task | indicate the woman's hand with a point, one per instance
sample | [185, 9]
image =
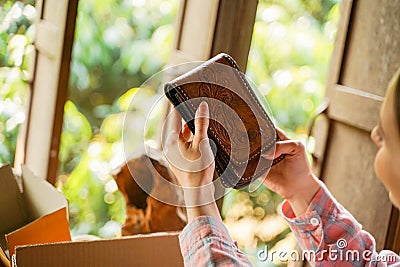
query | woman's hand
[192, 161]
[292, 178]
[190, 156]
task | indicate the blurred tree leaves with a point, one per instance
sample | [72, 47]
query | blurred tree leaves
[16, 51]
[75, 137]
[118, 45]
[87, 162]
[289, 57]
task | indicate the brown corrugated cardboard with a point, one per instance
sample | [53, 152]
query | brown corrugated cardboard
[37, 219]
[34, 214]
[150, 250]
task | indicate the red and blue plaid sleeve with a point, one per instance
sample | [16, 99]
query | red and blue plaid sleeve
[206, 242]
[330, 236]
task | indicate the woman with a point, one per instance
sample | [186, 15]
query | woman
[321, 225]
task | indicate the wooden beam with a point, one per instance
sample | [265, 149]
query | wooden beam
[234, 29]
[62, 89]
[42, 129]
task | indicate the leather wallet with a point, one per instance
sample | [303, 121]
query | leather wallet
[239, 124]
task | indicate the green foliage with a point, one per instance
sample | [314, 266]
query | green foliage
[96, 206]
[94, 199]
[289, 57]
[118, 45]
[16, 50]
[75, 137]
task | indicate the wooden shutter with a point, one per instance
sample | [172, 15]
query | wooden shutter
[366, 55]
[39, 144]
[205, 28]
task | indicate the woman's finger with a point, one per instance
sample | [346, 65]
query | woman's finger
[175, 127]
[281, 134]
[201, 122]
[288, 147]
[186, 133]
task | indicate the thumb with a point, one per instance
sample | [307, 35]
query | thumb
[201, 122]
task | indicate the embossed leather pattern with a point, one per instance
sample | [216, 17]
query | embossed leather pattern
[239, 124]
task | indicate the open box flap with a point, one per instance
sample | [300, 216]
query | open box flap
[50, 228]
[12, 209]
[41, 198]
[37, 215]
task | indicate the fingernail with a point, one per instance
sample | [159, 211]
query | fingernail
[203, 104]
[202, 110]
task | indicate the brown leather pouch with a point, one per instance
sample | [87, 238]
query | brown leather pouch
[239, 127]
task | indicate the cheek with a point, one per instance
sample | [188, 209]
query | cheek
[395, 199]
[382, 167]
[386, 172]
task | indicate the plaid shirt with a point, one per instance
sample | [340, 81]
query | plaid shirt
[328, 234]
[206, 242]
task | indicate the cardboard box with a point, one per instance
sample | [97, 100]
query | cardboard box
[35, 221]
[32, 211]
[149, 250]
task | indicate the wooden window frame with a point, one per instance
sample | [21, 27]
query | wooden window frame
[39, 137]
